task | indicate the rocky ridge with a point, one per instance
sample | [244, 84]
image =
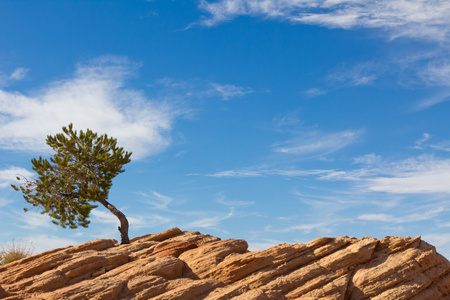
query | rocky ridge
[176, 264]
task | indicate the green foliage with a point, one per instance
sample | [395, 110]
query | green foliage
[79, 174]
[15, 251]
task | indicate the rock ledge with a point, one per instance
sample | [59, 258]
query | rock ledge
[182, 265]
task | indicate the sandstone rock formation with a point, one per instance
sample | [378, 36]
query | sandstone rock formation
[189, 265]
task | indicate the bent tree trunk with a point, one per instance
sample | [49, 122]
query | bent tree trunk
[123, 228]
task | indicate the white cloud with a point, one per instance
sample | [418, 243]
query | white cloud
[228, 91]
[368, 159]
[421, 216]
[4, 202]
[135, 221]
[290, 120]
[415, 177]
[204, 89]
[432, 100]
[95, 98]
[420, 142]
[437, 239]
[104, 217]
[44, 242]
[323, 228]
[411, 18]
[222, 200]
[157, 200]
[314, 92]
[210, 222]
[414, 217]
[147, 221]
[375, 217]
[19, 74]
[34, 220]
[437, 72]
[446, 224]
[317, 143]
[267, 172]
[362, 74]
[8, 176]
[443, 146]
[237, 173]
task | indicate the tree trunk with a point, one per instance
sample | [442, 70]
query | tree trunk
[123, 228]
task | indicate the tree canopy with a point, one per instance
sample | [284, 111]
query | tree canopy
[76, 177]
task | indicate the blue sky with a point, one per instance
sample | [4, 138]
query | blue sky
[273, 121]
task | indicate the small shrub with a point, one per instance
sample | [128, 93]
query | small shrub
[15, 251]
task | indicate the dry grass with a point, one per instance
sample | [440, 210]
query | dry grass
[15, 251]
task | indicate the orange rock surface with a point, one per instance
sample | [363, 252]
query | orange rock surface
[188, 265]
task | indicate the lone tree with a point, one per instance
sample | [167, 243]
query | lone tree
[77, 176]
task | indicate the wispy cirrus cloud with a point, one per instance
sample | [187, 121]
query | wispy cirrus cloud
[433, 179]
[359, 75]
[417, 20]
[437, 72]
[315, 92]
[420, 142]
[19, 73]
[227, 91]
[306, 228]
[261, 172]
[222, 200]
[438, 240]
[425, 143]
[430, 69]
[155, 199]
[16, 75]
[367, 73]
[437, 98]
[416, 175]
[413, 18]
[4, 202]
[305, 144]
[323, 227]
[376, 217]
[210, 221]
[318, 143]
[414, 217]
[204, 88]
[442, 145]
[368, 159]
[417, 68]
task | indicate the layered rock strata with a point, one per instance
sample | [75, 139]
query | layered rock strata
[189, 265]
